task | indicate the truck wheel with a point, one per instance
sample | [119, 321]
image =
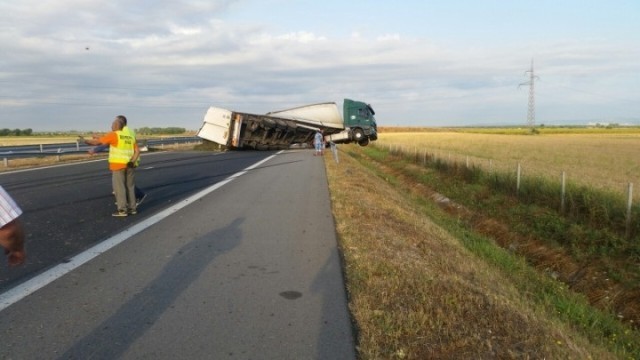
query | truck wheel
[358, 135]
[364, 142]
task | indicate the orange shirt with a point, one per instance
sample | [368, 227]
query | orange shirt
[112, 140]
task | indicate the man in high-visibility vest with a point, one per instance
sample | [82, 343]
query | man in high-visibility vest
[123, 154]
[140, 194]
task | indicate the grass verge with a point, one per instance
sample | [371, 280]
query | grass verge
[423, 283]
[582, 247]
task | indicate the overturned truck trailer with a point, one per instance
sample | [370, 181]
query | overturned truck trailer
[237, 130]
[281, 129]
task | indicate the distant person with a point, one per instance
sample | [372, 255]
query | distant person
[318, 142]
[11, 231]
[123, 154]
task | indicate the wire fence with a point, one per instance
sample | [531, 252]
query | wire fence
[559, 185]
[555, 173]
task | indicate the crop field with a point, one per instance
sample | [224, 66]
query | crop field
[35, 140]
[601, 160]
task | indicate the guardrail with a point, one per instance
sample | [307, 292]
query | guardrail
[76, 148]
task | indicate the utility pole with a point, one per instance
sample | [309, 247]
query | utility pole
[531, 114]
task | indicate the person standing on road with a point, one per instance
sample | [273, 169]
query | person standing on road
[123, 154]
[318, 142]
[11, 231]
[139, 193]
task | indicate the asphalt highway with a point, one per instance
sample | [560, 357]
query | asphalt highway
[231, 256]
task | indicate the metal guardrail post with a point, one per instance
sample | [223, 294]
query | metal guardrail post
[76, 147]
[334, 151]
[629, 205]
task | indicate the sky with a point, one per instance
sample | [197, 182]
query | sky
[76, 64]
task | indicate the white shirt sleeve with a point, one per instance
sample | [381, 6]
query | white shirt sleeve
[9, 210]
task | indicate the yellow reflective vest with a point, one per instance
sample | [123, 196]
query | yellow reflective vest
[123, 152]
[133, 135]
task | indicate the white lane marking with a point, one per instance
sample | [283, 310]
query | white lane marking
[21, 291]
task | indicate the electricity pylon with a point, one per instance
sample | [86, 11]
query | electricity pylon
[531, 114]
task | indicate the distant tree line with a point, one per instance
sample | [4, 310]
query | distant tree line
[160, 131]
[141, 131]
[16, 132]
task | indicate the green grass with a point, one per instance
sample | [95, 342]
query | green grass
[596, 210]
[476, 191]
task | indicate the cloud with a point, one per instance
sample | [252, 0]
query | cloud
[78, 63]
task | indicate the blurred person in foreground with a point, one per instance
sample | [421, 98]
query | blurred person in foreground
[11, 231]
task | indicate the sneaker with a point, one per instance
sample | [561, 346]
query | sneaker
[133, 212]
[120, 213]
[140, 200]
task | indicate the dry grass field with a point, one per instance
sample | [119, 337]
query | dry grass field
[35, 140]
[430, 278]
[602, 160]
[416, 292]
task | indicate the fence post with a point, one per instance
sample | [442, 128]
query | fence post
[41, 148]
[563, 193]
[334, 150]
[6, 162]
[629, 203]
[518, 179]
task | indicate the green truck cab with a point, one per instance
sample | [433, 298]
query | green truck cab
[360, 122]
